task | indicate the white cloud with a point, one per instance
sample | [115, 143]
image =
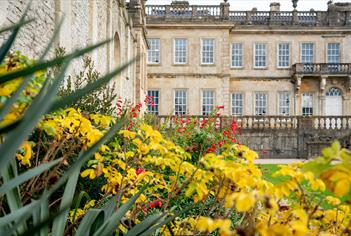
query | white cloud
[262, 5]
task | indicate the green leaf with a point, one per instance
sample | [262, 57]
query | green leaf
[76, 95]
[34, 113]
[9, 103]
[7, 128]
[162, 223]
[4, 49]
[15, 26]
[144, 225]
[112, 224]
[13, 195]
[83, 157]
[91, 222]
[59, 224]
[79, 201]
[27, 175]
[44, 214]
[44, 65]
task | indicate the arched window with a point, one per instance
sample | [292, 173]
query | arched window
[117, 50]
[334, 92]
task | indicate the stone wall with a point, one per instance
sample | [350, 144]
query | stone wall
[85, 22]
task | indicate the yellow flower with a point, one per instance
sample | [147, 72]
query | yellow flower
[25, 159]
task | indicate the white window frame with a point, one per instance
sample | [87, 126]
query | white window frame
[328, 55]
[186, 51]
[213, 51]
[207, 103]
[180, 104]
[279, 56]
[302, 50]
[310, 107]
[263, 105]
[282, 106]
[265, 56]
[156, 109]
[156, 52]
[240, 56]
[236, 106]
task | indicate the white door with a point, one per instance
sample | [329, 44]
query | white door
[333, 107]
[333, 102]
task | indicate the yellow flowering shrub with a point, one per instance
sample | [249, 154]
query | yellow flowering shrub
[14, 62]
[231, 181]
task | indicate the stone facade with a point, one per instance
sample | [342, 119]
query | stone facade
[87, 22]
[324, 30]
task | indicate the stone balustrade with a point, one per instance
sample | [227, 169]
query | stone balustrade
[267, 122]
[183, 11]
[322, 69]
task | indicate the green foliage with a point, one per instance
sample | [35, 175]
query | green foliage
[100, 100]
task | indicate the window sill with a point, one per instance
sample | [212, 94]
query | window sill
[210, 65]
[260, 68]
[237, 68]
[186, 64]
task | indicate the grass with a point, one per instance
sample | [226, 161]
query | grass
[269, 169]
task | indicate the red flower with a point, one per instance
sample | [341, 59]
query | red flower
[203, 123]
[234, 140]
[159, 204]
[220, 107]
[152, 205]
[264, 152]
[234, 126]
[139, 171]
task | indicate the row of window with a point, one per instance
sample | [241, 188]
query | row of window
[180, 53]
[237, 103]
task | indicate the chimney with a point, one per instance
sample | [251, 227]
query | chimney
[275, 6]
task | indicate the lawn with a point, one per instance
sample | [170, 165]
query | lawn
[269, 169]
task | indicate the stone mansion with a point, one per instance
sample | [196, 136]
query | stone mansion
[255, 63]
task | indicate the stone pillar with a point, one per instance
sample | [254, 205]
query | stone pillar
[297, 102]
[322, 104]
[226, 95]
[64, 9]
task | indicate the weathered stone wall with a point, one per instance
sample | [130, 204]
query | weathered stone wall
[85, 22]
[33, 38]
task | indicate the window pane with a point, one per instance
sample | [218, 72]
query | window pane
[307, 52]
[180, 51]
[283, 55]
[237, 55]
[207, 51]
[207, 102]
[333, 52]
[261, 104]
[307, 104]
[284, 103]
[153, 54]
[180, 102]
[153, 106]
[260, 55]
[237, 104]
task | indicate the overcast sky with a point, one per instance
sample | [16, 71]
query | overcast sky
[262, 5]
